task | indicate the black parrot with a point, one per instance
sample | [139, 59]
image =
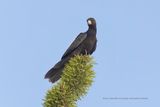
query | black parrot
[85, 43]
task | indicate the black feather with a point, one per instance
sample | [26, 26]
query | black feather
[85, 43]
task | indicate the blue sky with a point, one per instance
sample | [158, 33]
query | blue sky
[35, 33]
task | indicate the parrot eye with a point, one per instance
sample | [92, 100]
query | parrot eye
[89, 22]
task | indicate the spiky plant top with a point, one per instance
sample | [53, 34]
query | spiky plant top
[75, 81]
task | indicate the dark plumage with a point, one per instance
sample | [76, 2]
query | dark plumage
[85, 43]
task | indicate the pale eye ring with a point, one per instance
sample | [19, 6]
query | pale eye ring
[89, 22]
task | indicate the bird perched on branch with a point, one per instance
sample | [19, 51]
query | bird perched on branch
[84, 43]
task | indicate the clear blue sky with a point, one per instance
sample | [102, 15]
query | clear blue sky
[35, 33]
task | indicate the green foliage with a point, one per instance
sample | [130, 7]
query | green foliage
[76, 79]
